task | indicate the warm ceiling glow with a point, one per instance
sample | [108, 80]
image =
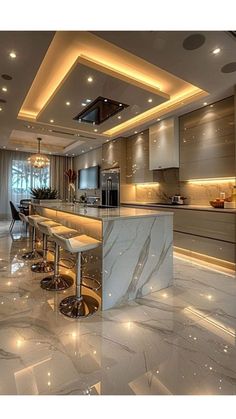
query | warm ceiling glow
[74, 48]
[95, 130]
[0, 109]
[147, 185]
[67, 103]
[4, 89]
[205, 104]
[88, 100]
[212, 180]
[51, 120]
[83, 104]
[216, 51]
[119, 117]
[150, 100]
[12, 54]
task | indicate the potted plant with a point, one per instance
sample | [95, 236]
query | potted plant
[44, 194]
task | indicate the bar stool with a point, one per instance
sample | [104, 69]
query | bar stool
[24, 219]
[44, 266]
[32, 221]
[58, 281]
[78, 305]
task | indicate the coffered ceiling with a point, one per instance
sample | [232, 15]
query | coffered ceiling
[57, 75]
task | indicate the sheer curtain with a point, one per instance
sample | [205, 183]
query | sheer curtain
[58, 166]
[17, 177]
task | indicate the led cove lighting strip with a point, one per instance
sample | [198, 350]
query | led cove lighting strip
[212, 180]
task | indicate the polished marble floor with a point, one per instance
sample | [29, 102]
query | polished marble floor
[180, 340]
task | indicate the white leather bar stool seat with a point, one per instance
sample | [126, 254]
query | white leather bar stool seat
[78, 305]
[33, 254]
[58, 281]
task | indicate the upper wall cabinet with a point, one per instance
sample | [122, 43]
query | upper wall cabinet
[207, 142]
[114, 155]
[137, 170]
[164, 144]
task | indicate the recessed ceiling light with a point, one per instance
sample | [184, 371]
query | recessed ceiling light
[135, 132]
[67, 103]
[4, 146]
[82, 151]
[73, 154]
[107, 141]
[158, 119]
[51, 120]
[119, 117]
[12, 54]
[83, 104]
[88, 100]
[16, 149]
[0, 109]
[66, 154]
[4, 89]
[90, 148]
[90, 79]
[105, 100]
[50, 152]
[205, 104]
[95, 130]
[120, 104]
[216, 51]
[150, 100]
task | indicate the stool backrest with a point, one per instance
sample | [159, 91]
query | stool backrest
[14, 212]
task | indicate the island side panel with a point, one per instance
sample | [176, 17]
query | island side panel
[137, 258]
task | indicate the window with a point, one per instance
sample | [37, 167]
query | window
[25, 177]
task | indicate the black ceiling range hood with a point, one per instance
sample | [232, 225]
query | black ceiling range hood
[99, 111]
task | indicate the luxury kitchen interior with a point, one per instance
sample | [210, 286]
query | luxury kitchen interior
[117, 213]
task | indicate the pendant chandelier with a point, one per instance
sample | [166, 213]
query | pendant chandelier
[39, 161]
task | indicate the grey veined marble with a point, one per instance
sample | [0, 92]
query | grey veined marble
[137, 258]
[179, 340]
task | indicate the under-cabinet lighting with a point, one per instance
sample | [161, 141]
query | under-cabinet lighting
[212, 180]
[148, 184]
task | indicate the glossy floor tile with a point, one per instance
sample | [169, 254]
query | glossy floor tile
[180, 340]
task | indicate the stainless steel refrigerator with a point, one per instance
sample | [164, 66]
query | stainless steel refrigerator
[110, 186]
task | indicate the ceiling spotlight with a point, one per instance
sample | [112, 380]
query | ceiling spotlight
[150, 100]
[91, 148]
[51, 120]
[12, 54]
[119, 117]
[211, 106]
[67, 103]
[105, 100]
[205, 104]
[16, 149]
[66, 154]
[95, 130]
[120, 104]
[0, 109]
[88, 100]
[4, 89]
[158, 119]
[82, 151]
[83, 104]
[135, 132]
[216, 51]
[4, 146]
[90, 79]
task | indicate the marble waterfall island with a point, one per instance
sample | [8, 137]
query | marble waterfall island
[136, 253]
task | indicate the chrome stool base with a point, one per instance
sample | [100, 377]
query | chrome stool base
[31, 255]
[76, 307]
[42, 267]
[58, 283]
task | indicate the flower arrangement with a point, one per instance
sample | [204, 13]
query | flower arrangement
[71, 175]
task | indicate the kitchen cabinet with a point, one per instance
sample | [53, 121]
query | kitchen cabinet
[207, 142]
[137, 151]
[164, 144]
[114, 156]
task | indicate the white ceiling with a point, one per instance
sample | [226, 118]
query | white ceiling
[163, 49]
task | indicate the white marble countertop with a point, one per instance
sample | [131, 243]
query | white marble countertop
[104, 214]
[185, 207]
